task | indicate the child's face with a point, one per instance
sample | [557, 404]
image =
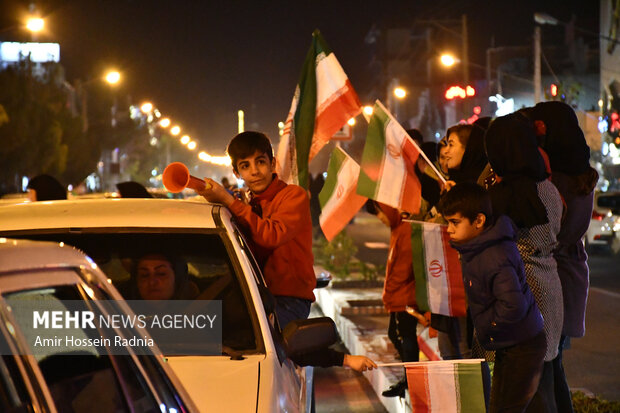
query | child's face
[461, 229]
[443, 158]
[257, 171]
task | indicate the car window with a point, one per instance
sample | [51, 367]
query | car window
[83, 378]
[609, 201]
[211, 273]
[14, 397]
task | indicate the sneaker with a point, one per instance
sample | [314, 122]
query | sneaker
[397, 389]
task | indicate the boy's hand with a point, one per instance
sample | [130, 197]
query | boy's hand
[358, 363]
[216, 193]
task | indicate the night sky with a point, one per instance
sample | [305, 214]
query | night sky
[199, 61]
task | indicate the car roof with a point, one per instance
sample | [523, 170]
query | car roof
[19, 255]
[107, 213]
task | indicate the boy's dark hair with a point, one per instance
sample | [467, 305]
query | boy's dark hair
[462, 131]
[246, 144]
[467, 199]
[372, 207]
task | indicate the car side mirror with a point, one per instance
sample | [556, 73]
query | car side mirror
[306, 336]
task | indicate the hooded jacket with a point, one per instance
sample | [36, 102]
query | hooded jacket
[502, 306]
[399, 286]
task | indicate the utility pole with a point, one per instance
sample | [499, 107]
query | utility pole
[465, 49]
[537, 81]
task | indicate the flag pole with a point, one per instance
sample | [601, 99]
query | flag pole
[439, 175]
[414, 363]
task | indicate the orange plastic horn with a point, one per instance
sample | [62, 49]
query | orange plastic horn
[176, 178]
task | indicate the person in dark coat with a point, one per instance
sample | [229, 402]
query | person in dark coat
[575, 179]
[45, 188]
[503, 309]
[524, 193]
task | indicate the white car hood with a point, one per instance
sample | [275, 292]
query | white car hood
[219, 384]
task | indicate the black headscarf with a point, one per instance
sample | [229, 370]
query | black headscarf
[431, 190]
[512, 151]
[474, 159]
[184, 288]
[47, 188]
[564, 140]
[132, 189]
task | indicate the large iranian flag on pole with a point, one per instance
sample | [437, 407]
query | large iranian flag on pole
[339, 201]
[437, 269]
[387, 170]
[450, 386]
[324, 100]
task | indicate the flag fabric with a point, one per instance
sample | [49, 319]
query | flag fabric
[387, 170]
[324, 100]
[429, 345]
[437, 270]
[339, 201]
[448, 386]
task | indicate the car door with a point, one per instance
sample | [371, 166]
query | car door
[81, 378]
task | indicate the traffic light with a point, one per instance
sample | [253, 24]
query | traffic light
[454, 92]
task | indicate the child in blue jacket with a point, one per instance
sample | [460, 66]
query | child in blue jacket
[502, 306]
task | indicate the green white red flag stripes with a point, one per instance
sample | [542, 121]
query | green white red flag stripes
[450, 386]
[324, 100]
[339, 201]
[387, 170]
[437, 269]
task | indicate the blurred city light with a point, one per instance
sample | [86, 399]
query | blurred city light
[216, 160]
[447, 60]
[399, 92]
[164, 123]
[554, 89]
[351, 121]
[191, 146]
[280, 128]
[175, 130]
[146, 107]
[35, 24]
[185, 139]
[113, 77]
[368, 110]
[241, 125]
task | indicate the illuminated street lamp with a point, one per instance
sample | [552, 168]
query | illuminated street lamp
[185, 140]
[351, 121]
[35, 24]
[368, 110]
[448, 60]
[191, 146]
[113, 77]
[175, 130]
[164, 123]
[399, 92]
[146, 107]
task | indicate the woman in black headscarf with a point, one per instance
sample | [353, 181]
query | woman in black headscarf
[46, 188]
[572, 175]
[474, 159]
[524, 193]
[157, 276]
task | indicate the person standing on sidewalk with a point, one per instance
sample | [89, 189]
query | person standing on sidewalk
[504, 312]
[572, 175]
[399, 290]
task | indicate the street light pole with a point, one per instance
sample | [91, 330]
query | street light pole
[537, 80]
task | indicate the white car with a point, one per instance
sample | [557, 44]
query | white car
[253, 372]
[605, 223]
[51, 379]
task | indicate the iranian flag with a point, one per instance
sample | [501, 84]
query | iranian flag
[438, 276]
[339, 201]
[324, 100]
[387, 171]
[448, 386]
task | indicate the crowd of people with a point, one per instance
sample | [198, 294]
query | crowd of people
[517, 202]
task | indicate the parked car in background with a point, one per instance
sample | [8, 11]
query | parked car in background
[253, 372]
[604, 226]
[53, 379]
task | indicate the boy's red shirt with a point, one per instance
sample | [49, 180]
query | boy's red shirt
[399, 286]
[281, 238]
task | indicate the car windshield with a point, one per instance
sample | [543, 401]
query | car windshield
[211, 274]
